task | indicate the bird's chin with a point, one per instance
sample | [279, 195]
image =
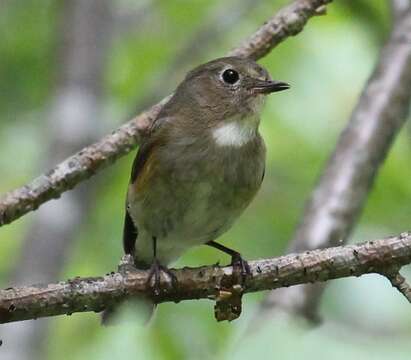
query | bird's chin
[256, 103]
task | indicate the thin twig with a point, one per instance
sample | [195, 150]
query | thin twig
[340, 194]
[207, 282]
[99, 155]
[289, 21]
[221, 18]
[399, 282]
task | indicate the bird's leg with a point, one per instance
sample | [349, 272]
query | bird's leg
[237, 262]
[155, 270]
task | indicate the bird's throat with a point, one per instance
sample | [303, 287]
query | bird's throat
[235, 133]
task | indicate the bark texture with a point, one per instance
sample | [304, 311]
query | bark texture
[209, 282]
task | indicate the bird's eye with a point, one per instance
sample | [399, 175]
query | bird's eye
[230, 76]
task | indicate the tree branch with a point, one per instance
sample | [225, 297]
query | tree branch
[398, 281]
[207, 282]
[14, 204]
[221, 18]
[342, 190]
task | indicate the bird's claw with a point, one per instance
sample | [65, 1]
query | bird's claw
[154, 277]
[240, 267]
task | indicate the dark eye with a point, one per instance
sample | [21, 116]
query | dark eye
[230, 76]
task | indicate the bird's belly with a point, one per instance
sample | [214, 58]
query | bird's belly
[191, 201]
[188, 215]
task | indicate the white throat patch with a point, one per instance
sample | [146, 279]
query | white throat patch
[233, 134]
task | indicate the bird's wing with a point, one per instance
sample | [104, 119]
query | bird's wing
[130, 231]
[140, 175]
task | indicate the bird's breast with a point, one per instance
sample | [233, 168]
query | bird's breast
[194, 191]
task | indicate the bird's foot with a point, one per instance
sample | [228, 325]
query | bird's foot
[154, 277]
[240, 267]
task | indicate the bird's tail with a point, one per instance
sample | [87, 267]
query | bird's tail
[110, 315]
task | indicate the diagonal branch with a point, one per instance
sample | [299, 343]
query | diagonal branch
[398, 281]
[14, 204]
[208, 282]
[337, 200]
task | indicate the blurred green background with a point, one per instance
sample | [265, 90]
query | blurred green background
[149, 47]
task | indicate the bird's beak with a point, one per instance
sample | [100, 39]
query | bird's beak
[269, 86]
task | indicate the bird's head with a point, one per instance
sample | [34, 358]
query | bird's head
[228, 87]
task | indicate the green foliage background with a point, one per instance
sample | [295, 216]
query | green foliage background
[327, 66]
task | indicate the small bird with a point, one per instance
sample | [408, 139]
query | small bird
[200, 165]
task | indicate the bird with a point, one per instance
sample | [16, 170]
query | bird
[199, 166]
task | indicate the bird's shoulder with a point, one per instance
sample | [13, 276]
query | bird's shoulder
[142, 165]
